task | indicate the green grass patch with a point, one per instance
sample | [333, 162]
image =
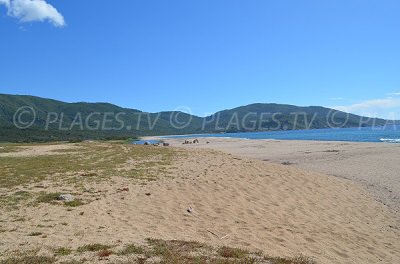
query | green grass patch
[74, 261]
[29, 260]
[295, 260]
[93, 248]
[94, 161]
[9, 148]
[131, 249]
[12, 201]
[62, 251]
[164, 252]
[47, 197]
[74, 203]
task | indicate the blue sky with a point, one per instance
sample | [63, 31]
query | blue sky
[207, 55]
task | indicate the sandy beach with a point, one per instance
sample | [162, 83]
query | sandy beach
[375, 166]
[196, 194]
[106, 109]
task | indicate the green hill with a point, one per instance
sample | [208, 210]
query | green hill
[56, 120]
[266, 117]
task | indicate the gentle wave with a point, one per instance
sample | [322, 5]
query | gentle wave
[390, 140]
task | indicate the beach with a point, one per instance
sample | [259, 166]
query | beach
[200, 132]
[193, 192]
[375, 166]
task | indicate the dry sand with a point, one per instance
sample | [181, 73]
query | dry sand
[242, 202]
[374, 165]
[38, 150]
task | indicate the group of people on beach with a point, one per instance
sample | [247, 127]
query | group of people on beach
[191, 142]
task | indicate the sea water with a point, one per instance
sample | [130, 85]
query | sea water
[389, 134]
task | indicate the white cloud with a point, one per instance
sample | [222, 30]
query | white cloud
[5, 2]
[394, 94]
[336, 98]
[384, 108]
[33, 10]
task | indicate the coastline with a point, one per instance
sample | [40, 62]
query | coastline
[373, 165]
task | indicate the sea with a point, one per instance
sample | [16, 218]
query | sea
[388, 134]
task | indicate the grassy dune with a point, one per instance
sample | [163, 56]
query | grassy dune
[74, 165]
[156, 251]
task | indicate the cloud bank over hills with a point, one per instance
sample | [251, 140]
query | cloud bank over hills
[388, 107]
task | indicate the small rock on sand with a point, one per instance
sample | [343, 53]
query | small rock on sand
[66, 197]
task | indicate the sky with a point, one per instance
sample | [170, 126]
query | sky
[205, 56]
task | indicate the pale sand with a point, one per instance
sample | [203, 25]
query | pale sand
[38, 150]
[281, 210]
[375, 165]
